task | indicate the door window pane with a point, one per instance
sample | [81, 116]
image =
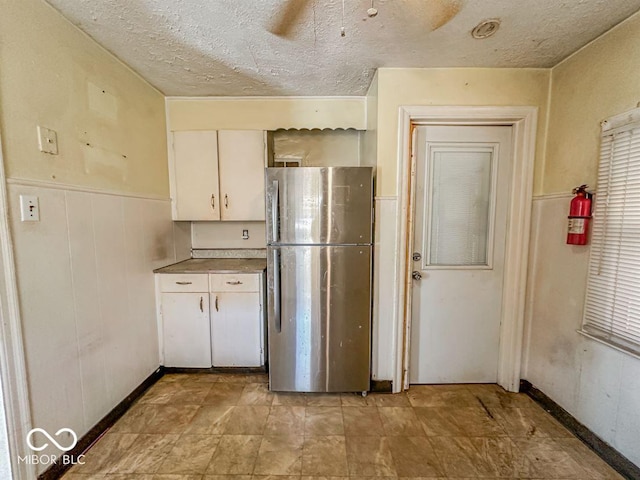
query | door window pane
[460, 193]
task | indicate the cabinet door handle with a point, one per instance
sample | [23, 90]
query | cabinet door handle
[201, 306]
[226, 201]
[213, 201]
[236, 282]
[217, 304]
[184, 283]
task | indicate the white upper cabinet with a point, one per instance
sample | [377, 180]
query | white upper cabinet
[218, 175]
[195, 176]
[241, 156]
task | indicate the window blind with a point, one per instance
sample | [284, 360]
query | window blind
[612, 308]
[461, 184]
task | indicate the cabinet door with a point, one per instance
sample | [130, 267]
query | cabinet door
[241, 158]
[236, 329]
[195, 175]
[186, 330]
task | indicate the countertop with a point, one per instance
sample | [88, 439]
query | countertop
[216, 265]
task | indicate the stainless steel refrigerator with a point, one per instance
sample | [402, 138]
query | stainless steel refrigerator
[319, 234]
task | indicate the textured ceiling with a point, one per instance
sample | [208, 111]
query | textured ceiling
[223, 47]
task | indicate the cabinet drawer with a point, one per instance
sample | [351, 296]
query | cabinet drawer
[183, 282]
[232, 282]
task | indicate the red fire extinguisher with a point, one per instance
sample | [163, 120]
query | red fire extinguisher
[579, 216]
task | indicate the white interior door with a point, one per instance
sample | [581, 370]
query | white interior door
[461, 204]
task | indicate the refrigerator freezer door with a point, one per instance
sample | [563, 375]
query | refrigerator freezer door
[319, 205]
[319, 318]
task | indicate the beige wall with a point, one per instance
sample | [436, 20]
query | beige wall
[53, 75]
[319, 148]
[265, 113]
[272, 113]
[453, 86]
[599, 81]
[84, 271]
[224, 235]
[369, 143]
[396, 87]
[597, 384]
[109, 121]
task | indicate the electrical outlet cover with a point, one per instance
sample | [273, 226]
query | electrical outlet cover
[29, 208]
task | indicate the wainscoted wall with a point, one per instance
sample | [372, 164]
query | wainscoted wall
[384, 289]
[600, 386]
[87, 300]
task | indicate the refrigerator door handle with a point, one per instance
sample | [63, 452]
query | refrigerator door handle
[275, 207]
[276, 290]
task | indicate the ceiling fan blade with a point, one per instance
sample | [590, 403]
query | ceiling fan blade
[440, 12]
[286, 19]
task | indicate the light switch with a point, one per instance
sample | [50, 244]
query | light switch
[29, 209]
[47, 140]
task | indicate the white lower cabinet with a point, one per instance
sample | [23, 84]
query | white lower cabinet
[222, 326]
[235, 330]
[237, 320]
[186, 329]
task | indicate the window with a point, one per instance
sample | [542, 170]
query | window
[612, 309]
[460, 190]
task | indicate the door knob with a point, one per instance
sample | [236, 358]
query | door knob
[416, 275]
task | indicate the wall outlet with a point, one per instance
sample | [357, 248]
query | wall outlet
[47, 140]
[29, 209]
[245, 234]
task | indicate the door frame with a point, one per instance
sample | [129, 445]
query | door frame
[13, 371]
[523, 120]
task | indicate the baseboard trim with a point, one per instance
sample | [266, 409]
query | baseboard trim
[241, 370]
[615, 459]
[56, 470]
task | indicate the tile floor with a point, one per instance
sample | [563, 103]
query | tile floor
[230, 427]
